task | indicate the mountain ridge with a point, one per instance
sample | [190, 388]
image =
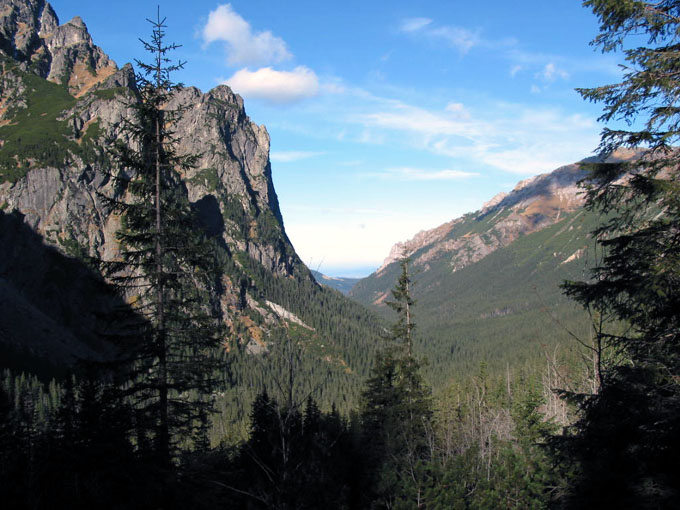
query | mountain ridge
[62, 101]
[340, 283]
[536, 202]
[487, 284]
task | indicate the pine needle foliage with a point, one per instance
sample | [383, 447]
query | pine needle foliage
[625, 446]
[166, 268]
[396, 411]
[402, 304]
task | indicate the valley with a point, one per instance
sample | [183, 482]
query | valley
[163, 344]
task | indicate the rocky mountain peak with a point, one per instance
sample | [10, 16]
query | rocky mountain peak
[62, 105]
[421, 239]
[21, 22]
[71, 33]
[48, 20]
[30, 34]
[54, 178]
[494, 201]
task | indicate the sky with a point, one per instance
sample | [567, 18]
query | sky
[385, 117]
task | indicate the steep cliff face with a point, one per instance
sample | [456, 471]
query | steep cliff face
[63, 100]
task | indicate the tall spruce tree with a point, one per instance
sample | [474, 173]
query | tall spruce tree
[396, 410]
[166, 269]
[626, 445]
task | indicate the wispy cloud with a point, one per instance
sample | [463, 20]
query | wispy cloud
[516, 138]
[243, 46]
[423, 174]
[292, 156]
[476, 136]
[458, 110]
[547, 67]
[276, 87]
[414, 24]
[404, 117]
[460, 38]
[551, 72]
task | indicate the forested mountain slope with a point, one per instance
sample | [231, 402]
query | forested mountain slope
[63, 101]
[488, 283]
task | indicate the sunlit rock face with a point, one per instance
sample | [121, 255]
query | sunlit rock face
[58, 86]
[532, 205]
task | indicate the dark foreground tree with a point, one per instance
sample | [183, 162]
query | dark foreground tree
[396, 412]
[294, 460]
[166, 268]
[626, 445]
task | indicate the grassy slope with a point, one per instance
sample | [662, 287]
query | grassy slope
[34, 134]
[505, 309]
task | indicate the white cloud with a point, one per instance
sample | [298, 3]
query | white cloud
[532, 141]
[515, 138]
[518, 161]
[458, 110]
[278, 87]
[460, 38]
[551, 72]
[414, 24]
[421, 174]
[549, 68]
[243, 46]
[292, 156]
[405, 117]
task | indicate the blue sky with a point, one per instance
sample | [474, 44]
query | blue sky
[385, 117]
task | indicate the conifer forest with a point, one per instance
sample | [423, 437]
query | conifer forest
[217, 373]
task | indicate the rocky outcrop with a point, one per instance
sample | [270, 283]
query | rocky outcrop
[31, 35]
[58, 184]
[23, 23]
[533, 204]
[420, 240]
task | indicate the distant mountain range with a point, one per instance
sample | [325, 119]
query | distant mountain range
[342, 284]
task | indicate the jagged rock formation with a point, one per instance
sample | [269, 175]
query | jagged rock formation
[62, 100]
[65, 54]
